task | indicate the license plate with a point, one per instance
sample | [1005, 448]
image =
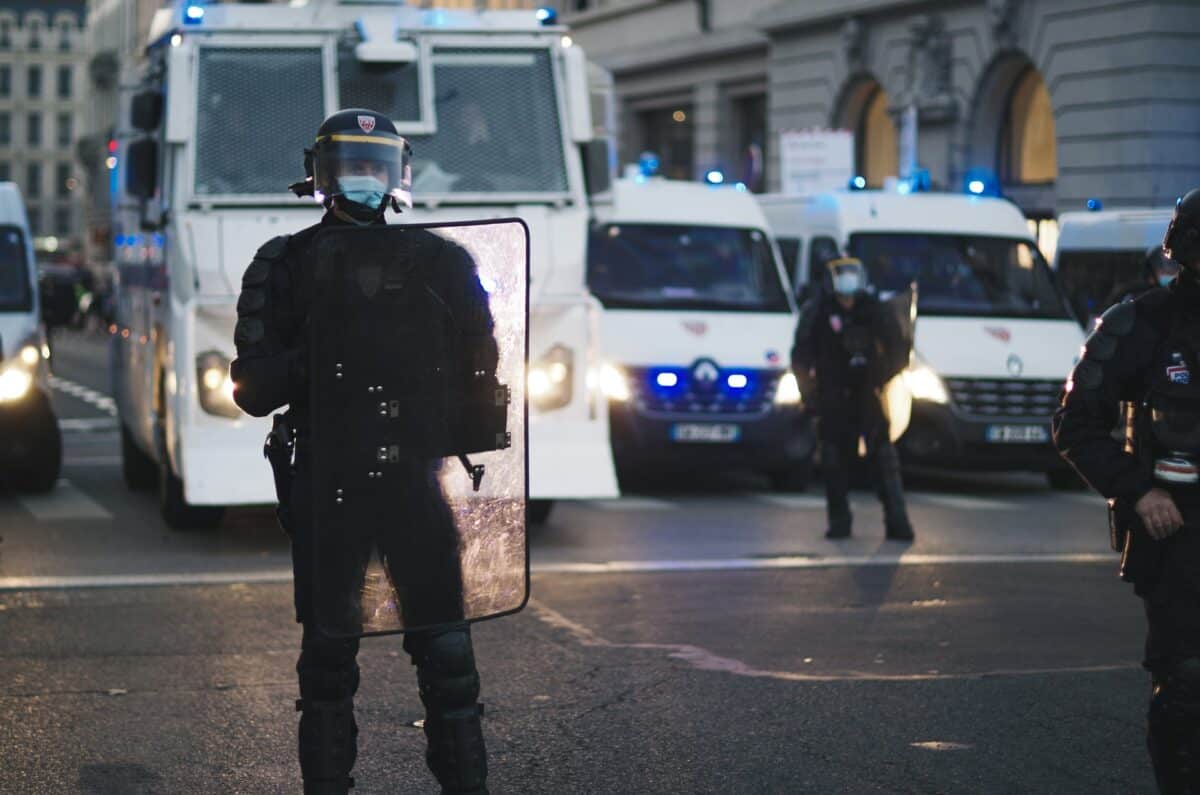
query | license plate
[695, 432]
[1018, 433]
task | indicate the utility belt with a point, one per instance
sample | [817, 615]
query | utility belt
[279, 449]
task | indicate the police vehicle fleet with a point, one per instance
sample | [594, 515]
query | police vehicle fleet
[696, 331]
[994, 338]
[497, 106]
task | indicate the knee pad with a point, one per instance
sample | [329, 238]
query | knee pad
[446, 675]
[1176, 696]
[328, 669]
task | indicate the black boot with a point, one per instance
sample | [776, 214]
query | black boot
[891, 492]
[328, 734]
[839, 528]
[449, 687]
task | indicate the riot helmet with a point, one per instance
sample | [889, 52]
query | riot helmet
[359, 165]
[848, 274]
[1182, 241]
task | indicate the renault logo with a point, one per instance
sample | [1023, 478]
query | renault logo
[705, 373]
[1015, 365]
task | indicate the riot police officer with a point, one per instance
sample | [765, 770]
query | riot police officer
[1141, 365]
[358, 167]
[848, 340]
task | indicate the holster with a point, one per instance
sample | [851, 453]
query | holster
[278, 449]
[1141, 555]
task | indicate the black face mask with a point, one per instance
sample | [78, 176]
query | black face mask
[356, 213]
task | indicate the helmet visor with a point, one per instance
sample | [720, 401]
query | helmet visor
[342, 160]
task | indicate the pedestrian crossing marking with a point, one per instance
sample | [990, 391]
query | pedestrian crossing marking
[965, 503]
[64, 502]
[630, 504]
[797, 501]
[88, 424]
[86, 394]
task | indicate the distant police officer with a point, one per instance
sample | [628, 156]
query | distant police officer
[1158, 270]
[359, 167]
[851, 343]
[1141, 365]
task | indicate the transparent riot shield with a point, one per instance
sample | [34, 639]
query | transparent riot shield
[897, 396]
[418, 442]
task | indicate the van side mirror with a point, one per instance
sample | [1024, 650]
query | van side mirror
[141, 169]
[145, 111]
[597, 175]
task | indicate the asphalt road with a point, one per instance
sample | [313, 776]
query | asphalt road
[701, 638]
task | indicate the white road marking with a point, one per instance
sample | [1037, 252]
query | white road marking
[64, 502]
[941, 745]
[88, 425]
[704, 660]
[92, 461]
[1083, 498]
[86, 394]
[280, 575]
[631, 504]
[805, 502]
[963, 503]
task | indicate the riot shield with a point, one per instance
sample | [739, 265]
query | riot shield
[897, 397]
[418, 409]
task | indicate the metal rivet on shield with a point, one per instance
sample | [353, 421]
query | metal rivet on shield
[340, 500]
[340, 492]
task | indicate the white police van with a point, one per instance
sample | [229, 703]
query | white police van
[994, 339]
[696, 332]
[30, 442]
[1100, 249]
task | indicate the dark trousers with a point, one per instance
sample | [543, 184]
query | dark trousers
[847, 416]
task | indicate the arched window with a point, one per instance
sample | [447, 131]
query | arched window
[876, 144]
[1028, 151]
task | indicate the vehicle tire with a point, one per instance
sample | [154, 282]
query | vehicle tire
[538, 511]
[176, 511]
[1064, 479]
[45, 457]
[138, 469]
[791, 479]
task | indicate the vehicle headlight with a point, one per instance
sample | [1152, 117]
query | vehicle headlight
[787, 393]
[214, 385]
[15, 383]
[925, 384]
[613, 383]
[549, 379]
[30, 355]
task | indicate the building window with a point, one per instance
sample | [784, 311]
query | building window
[1028, 152]
[876, 142]
[64, 37]
[34, 129]
[33, 181]
[66, 131]
[65, 73]
[5, 171]
[35, 36]
[62, 179]
[5, 81]
[669, 133]
[34, 212]
[5, 129]
[62, 221]
[5, 35]
[33, 86]
[751, 119]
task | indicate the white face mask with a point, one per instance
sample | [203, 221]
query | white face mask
[847, 283]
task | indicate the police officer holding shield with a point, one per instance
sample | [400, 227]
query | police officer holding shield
[359, 167]
[850, 342]
[1141, 366]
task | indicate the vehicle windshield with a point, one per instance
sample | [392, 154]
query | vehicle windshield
[1095, 280]
[15, 295]
[646, 266]
[498, 128]
[963, 274]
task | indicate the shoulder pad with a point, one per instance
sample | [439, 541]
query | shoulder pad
[273, 249]
[248, 331]
[1118, 320]
[251, 300]
[257, 273]
[1088, 374]
[1101, 345]
[1153, 299]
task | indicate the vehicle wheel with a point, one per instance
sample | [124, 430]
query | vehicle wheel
[176, 511]
[138, 469]
[539, 511]
[1063, 479]
[45, 456]
[792, 479]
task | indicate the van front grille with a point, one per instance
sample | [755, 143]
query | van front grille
[1017, 397]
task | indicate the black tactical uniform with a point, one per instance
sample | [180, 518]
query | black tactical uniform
[854, 352]
[1141, 366]
[271, 371]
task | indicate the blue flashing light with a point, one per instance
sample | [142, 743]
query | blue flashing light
[741, 187]
[546, 15]
[904, 186]
[667, 379]
[737, 380]
[648, 164]
[159, 240]
[714, 177]
[976, 187]
[193, 13]
[981, 182]
[858, 182]
[1095, 205]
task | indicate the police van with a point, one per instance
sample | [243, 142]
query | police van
[30, 442]
[213, 127]
[994, 337]
[1100, 250]
[696, 332]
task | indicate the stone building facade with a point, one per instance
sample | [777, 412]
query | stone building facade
[1062, 100]
[43, 83]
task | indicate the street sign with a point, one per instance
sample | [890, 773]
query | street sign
[815, 161]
